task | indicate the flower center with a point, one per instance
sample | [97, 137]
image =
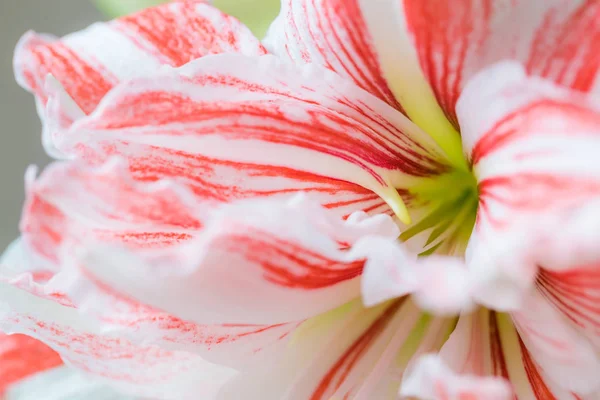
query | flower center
[445, 211]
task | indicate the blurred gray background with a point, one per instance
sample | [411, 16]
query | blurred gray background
[20, 143]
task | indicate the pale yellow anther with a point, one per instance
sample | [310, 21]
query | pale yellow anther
[396, 203]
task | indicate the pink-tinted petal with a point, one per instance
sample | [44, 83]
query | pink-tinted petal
[260, 262]
[90, 62]
[232, 344]
[235, 127]
[340, 372]
[563, 248]
[123, 317]
[438, 284]
[533, 150]
[357, 353]
[430, 379]
[141, 370]
[350, 352]
[299, 257]
[486, 347]
[71, 203]
[475, 348]
[576, 294]
[558, 350]
[333, 34]
[527, 377]
[22, 356]
[453, 41]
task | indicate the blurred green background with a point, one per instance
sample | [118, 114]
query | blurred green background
[256, 14]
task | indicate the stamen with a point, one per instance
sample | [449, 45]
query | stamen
[452, 200]
[396, 203]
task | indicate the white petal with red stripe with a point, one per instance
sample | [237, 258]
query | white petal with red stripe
[475, 347]
[255, 262]
[350, 352]
[533, 148]
[333, 34]
[90, 62]
[30, 305]
[233, 344]
[259, 127]
[439, 284]
[485, 357]
[446, 43]
[71, 203]
[101, 216]
[142, 370]
[560, 352]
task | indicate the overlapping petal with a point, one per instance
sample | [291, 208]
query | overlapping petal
[532, 147]
[253, 272]
[486, 357]
[439, 284]
[254, 263]
[234, 127]
[71, 203]
[138, 368]
[142, 370]
[22, 356]
[350, 352]
[564, 356]
[232, 344]
[450, 42]
[430, 379]
[333, 34]
[90, 62]
[114, 210]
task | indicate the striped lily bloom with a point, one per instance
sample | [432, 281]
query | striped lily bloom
[381, 199]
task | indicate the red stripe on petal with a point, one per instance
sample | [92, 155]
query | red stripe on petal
[350, 129]
[334, 34]
[290, 264]
[524, 123]
[536, 381]
[337, 374]
[454, 41]
[71, 203]
[260, 262]
[533, 192]
[566, 50]
[91, 62]
[143, 324]
[87, 82]
[216, 181]
[182, 34]
[49, 228]
[575, 293]
[446, 32]
[499, 367]
[22, 356]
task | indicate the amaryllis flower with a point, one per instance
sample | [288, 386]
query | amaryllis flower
[401, 199]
